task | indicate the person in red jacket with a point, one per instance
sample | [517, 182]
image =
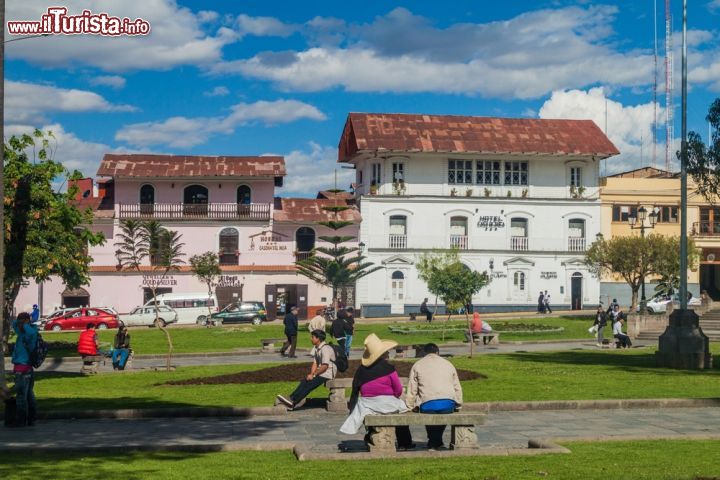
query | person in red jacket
[87, 343]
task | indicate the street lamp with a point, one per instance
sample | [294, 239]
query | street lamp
[637, 222]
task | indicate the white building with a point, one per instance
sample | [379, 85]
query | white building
[518, 197]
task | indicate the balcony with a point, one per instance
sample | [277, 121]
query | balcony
[518, 243]
[187, 211]
[576, 244]
[459, 241]
[397, 241]
[300, 256]
[705, 229]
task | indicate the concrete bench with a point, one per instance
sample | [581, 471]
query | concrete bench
[462, 428]
[401, 350]
[493, 338]
[337, 401]
[268, 344]
[91, 364]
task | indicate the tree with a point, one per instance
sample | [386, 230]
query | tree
[148, 240]
[704, 161]
[206, 267]
[46, 233]
[451, 280]
[338, 265]
[635, 258]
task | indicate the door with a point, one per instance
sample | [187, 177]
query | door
[270, 298]
[576, 291]
[519, 287]
[302, 301]
[228, 295]
[397, 287]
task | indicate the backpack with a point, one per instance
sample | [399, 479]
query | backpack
[341, 360]
[38, 352]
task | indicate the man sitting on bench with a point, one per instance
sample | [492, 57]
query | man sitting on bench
[434, 387]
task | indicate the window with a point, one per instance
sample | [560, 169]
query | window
[709, 220]
[576, 228]
[376, 173]
[398, 170]
[244, 195]
[519, 227]
[458, 226]
[488, 172]
[398, 285]
[398, 225]
[195, 194]
[304, 239]
[667, 214]
[622, 212]
[575, 176]
[229, 245]
[460, 172]
[519, 280]
[516, 173]
[147, 195]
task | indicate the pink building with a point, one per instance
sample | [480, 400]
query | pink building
[221, 204]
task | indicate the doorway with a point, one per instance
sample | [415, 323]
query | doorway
[280, 298]
[227, 295]
[75, 298]
[576, 291]
[147, 293]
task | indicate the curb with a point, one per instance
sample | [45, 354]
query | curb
[138, 413]
[592, 404]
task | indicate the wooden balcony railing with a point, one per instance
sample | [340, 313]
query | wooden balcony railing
[187, 211]
[299, 256]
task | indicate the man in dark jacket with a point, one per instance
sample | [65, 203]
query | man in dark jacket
[349, 329]
[338, 328]
[424, 309]
[291, 330]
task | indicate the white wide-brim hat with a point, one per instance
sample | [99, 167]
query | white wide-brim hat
[374, 349]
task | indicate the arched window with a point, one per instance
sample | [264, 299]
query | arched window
[398, 285]
[147, 199]
[304, 242]
[195, 201]
[576, 235]
[398, 231]
[458, 233]
[244, 195]
[229, 242]
[519, 281]
[518, 233]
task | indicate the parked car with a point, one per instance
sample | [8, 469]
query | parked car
[145, 316]
[79, 318]
[660, 302]
[190, 307]
[252, 312]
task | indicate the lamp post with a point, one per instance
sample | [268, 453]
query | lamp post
[642, 215]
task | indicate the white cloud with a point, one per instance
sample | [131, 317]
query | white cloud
[31, 102]
[217, 92]
[113, 81]
[207, 16]
[177, 38]
[314, 170]
[187, 132]
[527, 56]
[628, 127]
[263, 26]
[714, 6]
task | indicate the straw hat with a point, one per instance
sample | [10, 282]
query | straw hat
[374, 349]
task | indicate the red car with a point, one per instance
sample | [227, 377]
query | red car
[79, 319]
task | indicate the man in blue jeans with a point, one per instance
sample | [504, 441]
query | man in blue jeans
[26, 341]
[434, 387]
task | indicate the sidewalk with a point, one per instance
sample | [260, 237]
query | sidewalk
[318, 430]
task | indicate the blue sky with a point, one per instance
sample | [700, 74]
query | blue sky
[251, 78]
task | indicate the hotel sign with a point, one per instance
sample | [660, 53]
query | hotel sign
[548, 275]
[159, 281]
[229, 281]
[490, 222]
[268, 241]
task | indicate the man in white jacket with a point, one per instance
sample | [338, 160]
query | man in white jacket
[434, 387]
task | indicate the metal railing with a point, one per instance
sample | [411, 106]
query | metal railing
[705, 229]
[576, 244]
[187, 211]
[299, 256]
[518, 243]
[397, 241]
[459, 241]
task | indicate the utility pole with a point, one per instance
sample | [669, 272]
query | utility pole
[2, 193]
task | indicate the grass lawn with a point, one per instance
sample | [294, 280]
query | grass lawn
[560, 375]
[651, 460]
[193, 340]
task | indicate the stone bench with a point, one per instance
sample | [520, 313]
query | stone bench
[337, 401]
[401, 350]
[268, 344]
[91, 364]
[462, 428]
[493, 338]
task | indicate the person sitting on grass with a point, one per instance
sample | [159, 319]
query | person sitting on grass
[623, 340]
[121, 348]
[376, 389]
[323, 368]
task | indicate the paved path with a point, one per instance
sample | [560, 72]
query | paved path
[318, 428]
[72, 364]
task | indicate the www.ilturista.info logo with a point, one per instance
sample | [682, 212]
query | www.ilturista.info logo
[57, 22]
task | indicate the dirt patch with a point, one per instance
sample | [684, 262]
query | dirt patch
[293, 372]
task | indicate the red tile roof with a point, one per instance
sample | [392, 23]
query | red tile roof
[147, 166]
[310, 210]
[186, 268]
[463, 134]
[333, 195]
[101, 207]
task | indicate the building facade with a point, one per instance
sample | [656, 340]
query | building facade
[225, 205]
[518, 198]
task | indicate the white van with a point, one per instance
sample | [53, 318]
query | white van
[191, 308]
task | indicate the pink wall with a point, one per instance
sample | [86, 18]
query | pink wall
[128, 191]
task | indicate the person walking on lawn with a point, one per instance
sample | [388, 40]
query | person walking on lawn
[541, 303]
[317, 322]
[349, 329]
[291, 331]
[546, 300]
[26, 334]
[323, 368]
[602, 319]
[434, 387]
[337, 328]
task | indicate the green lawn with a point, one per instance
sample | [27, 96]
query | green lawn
[191, 340]
[560, 375]
[651, 460]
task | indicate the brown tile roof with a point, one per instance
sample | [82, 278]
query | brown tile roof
[186, 268]
[176, 166]
[332, 195]
[644, 172]
[101, 207]
[310, 210]
[463, 134]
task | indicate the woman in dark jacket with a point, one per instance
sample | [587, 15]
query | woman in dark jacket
[121, 348]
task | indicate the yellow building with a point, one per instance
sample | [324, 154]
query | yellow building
[621, 196]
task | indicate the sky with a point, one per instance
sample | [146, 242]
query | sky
[252, 78]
